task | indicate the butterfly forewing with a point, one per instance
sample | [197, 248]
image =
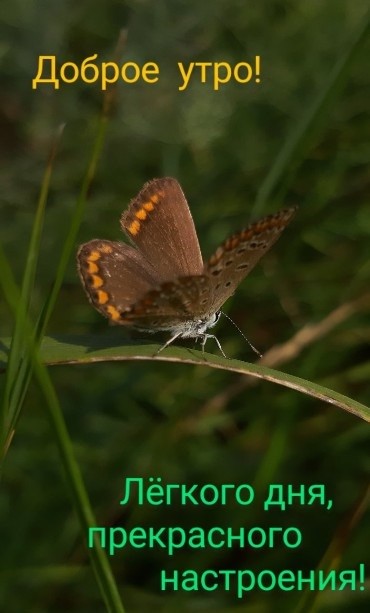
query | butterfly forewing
[238, 255]
[160, 224]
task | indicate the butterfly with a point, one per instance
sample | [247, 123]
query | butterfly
[160, 282]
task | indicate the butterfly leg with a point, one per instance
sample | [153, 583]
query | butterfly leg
[205, 337]
[167, 343]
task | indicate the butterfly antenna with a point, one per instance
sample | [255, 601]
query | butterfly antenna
[243, 335]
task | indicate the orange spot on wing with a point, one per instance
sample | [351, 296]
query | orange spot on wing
[96, 281]
[105, 248]
[102, 297]
[92, 267]
[231, 243]
[113, 313]
[149, 206]
[141, 214]
[93, 256]
[134, 227]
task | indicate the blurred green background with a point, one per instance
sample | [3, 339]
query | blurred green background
[191, 424]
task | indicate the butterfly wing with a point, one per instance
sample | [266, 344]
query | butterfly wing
[239, 254]
[171, 305]
[159, 223]
[114, 276]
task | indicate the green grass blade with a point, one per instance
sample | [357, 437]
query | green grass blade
[80, 350]
[16, 352]
[23, 355]
[74, 480]
[11, 294]
[311, 600]
[302, 134]
[70, 241]
[105, 579]
[14, 397]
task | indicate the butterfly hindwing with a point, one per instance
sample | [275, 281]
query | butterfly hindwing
[114, 276]
[239, 254]
[171, 304]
